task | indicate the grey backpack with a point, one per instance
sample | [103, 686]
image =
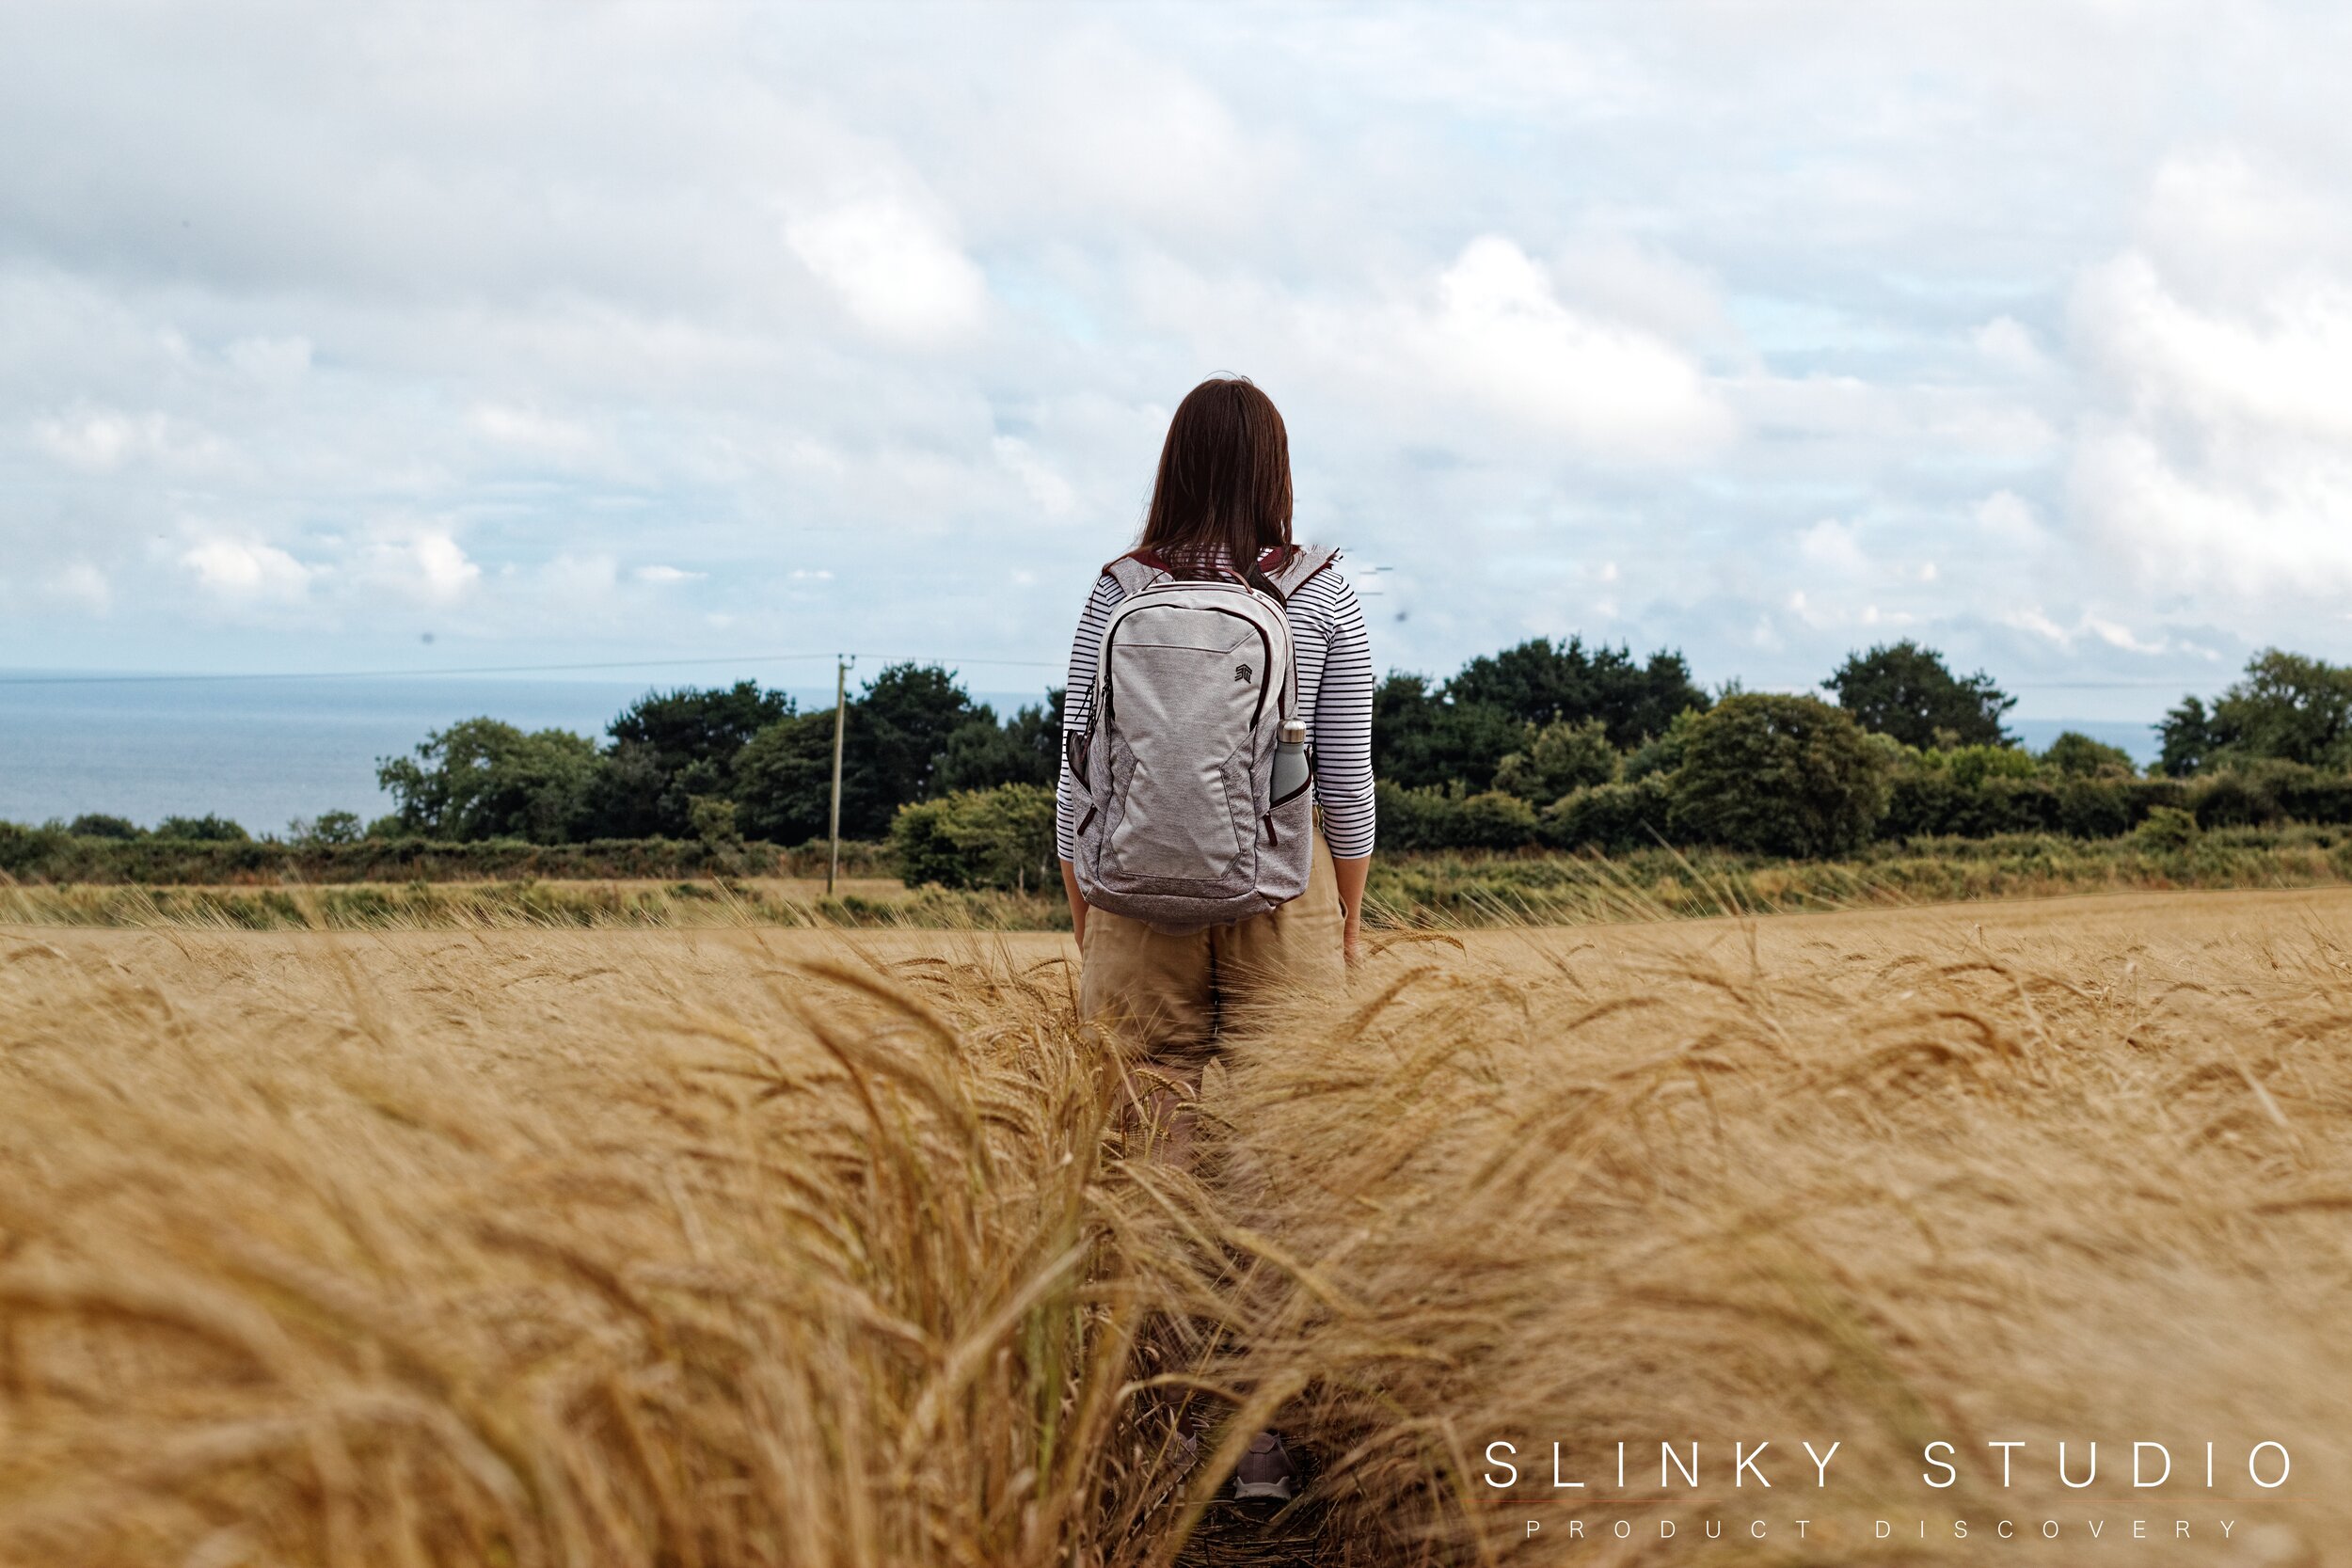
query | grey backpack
[1177, 822]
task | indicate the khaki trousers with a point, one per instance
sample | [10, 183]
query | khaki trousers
[1176, 995]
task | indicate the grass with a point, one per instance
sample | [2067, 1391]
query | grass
[507, 906]
[1412, 891]
[1534, 887]
[352, 1254]
[746, 1247]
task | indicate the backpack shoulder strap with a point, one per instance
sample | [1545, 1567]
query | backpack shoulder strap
[1304, 562]
[1134, 572]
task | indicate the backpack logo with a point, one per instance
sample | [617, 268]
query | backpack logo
[1241, 673]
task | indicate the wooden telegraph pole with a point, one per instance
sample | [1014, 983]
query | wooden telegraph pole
[840, 710]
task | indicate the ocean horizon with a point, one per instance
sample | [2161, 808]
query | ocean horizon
[265, 750]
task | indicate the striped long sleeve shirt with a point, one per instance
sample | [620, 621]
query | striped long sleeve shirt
[1334, 655]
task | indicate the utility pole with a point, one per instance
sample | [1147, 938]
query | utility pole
[840, 712]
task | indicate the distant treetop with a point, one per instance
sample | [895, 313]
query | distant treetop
[1905, 690]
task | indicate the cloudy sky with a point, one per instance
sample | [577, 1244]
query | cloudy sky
[645, 332]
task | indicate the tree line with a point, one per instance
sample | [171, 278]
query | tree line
[1536, 723]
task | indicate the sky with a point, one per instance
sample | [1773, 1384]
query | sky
[415, 336]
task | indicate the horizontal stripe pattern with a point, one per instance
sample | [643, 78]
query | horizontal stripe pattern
[1334, 653]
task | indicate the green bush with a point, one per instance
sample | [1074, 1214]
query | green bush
[713, 821]
[1660, 753]
[328, 827]
[2166, 827]
[1778, 776]
[2092, 806]
[51, 855]
[1615, 818]
[23, 851]
[1971, 766]
[2076, 755]
[979, 838]
[1432, 817]
[207, 829]
[101, 825]
[2310, 795]
[1928, 803]
[1558, 757]
[1493, 821]
[2256, 794]
[1413, 819]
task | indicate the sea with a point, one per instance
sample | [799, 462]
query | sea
[264, 751]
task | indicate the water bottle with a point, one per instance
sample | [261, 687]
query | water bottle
[1290, 759]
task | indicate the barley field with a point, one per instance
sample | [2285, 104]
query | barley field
[741, 1246]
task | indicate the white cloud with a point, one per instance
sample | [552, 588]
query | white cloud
[2223, 225]
[2218, 461]
[82, 586]
[427, 566]
[1875, 415]
[2283, 365]
[1830, 546]
[2111, 632]
[665, 576]
[1107, 129]
[2005, 343]
[1052, 494]
[271, 361]
[1499, 333]
[530, 429]
[895, 271]
[2029, 618]
[95, 442]
[2229, 529]
[2006, 523]
[2115, 635]
[247, 570]
[570, 581]
[98, 441]
[1643, 285]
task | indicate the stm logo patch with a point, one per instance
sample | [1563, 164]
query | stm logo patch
[1241, 673]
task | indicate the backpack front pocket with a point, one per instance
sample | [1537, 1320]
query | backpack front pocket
[1180, 712]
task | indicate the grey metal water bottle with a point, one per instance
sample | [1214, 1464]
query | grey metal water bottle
[1290, 759]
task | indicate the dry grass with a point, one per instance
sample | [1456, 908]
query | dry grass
[553, 1251]
[737, 1247]
[1884, 1181]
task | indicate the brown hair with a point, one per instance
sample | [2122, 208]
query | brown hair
[1224, 484]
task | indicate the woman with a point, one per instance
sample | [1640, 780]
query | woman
[1222, 504]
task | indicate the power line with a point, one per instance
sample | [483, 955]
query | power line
[499, 669]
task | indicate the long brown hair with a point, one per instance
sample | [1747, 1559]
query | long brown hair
[1224, 484]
